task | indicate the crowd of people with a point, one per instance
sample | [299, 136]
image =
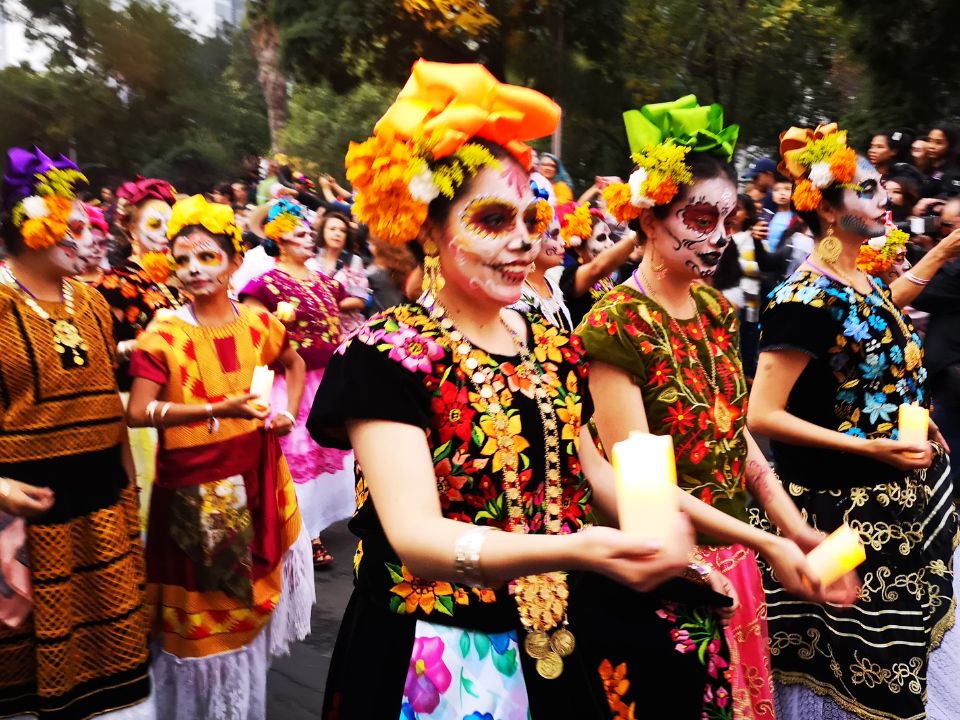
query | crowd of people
[447, 351]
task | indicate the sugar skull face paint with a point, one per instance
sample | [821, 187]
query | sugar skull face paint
[551, 247]
[600, 239]
[150, 229]
[75, 252]
[298, 243]
[864, 209]
[488, 247]
[691, 239]
[202, 265]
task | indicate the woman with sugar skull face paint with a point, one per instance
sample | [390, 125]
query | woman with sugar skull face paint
[136, 290]
[540, 293]
[72, 636]
[309, 304]
[593, 256]
[466, 420]
[837, 359]
[229, 577]
[664, 358]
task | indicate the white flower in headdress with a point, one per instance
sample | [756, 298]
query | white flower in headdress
[422, 188]
[35, 207]
[878, 243]
[637, 198]
[820, 175]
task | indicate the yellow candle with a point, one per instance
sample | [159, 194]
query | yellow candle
[260, 387]
[285, 312]
[837, 555]
[646, 481]
[914, 424]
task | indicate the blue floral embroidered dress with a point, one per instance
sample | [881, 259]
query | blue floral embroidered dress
[865, 360]
[419, 649]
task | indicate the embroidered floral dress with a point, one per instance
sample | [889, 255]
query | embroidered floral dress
[411, 647]
[323, 476]
[865, 360]
[669, 360]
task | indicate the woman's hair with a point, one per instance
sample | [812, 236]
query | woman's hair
[900, 141]
[399, 261]
[952, 133]
[10, 233]
[702, 167]
[562, 174]
[728, 273]
[832, 195]
[334, 215]
[224, 241]
[746, 202]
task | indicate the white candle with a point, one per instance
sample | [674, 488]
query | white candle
[646, 480]
[285, 312]
[837, 555]
[260, 387]
[914, 422]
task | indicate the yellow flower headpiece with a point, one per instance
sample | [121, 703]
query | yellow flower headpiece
[421, 147]
[215, 218]
[815, 160]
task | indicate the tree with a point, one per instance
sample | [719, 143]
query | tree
[265, 42]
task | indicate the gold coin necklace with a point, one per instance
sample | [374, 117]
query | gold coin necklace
[67, 341]
[541, 599]
[721, 411]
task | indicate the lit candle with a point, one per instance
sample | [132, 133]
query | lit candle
[914, 424]
[285, 312]
[260, 387]
[837, 555]
[646, 480]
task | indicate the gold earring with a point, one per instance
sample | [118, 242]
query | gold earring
[659, 268]
[433, 281]
[830, 247]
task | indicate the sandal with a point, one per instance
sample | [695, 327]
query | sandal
[321, 556]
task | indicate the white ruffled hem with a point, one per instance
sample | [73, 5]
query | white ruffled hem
[943, 693]
[233, 685]
[327, 498]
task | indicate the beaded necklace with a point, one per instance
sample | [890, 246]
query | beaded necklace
[541, 599]
[67, 341]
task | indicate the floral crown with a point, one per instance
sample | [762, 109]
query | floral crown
[134, 192]
[660, 137]
[816, 160]
[576, 222]
[283, 217]
[39, 191]
[421, 147]
[544, 209]
[878, 254]
[215, 218]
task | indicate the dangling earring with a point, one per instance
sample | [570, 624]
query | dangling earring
[433, 281]
[830, 247]
[659, 269]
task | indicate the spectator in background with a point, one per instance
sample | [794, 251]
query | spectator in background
[761, 176]
[783, 215]
[338, 259]
[553, 170]
[918, 155]
[240, 194]
[265, 187]
[388, 275]
[889, 148]
[336, 197]
[943, 173]
[222, 194]
[904, 193]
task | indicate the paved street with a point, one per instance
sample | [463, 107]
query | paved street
[295, 684]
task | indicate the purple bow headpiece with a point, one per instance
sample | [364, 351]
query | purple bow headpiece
[23, 167]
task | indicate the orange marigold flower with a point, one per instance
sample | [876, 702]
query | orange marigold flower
[617, 196]
[872, 261]
[663, 192]
[157, 266]
[544, 217]
[806, 196]
[41, 233]
[843, 165]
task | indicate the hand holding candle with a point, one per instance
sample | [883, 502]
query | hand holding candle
[914, 422]
[285, 312]
[260, 386]
[837, 555]
[646, 480]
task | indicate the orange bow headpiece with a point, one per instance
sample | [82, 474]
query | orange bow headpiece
[816, 160]
[454, 103]
[421, 147]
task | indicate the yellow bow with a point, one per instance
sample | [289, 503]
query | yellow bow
[454, 103]
[215, 218]
[795, 140]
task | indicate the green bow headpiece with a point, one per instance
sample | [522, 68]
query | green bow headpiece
[684, 123]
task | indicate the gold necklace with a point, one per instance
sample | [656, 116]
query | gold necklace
[541, 599]
[67, 341]
[721, 412]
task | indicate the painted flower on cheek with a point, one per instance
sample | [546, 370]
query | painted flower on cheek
[427, 677]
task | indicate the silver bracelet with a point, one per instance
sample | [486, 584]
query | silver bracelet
[151, 412]
[290, 416]
[915, 279]
[467, 556]
[163, 412]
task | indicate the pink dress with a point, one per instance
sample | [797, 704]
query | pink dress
[323, 476]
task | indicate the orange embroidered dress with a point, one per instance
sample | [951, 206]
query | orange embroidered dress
[229, 574]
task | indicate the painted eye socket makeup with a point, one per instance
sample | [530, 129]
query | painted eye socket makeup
[867, 189]
[530, 219]
[490, 217]
[75, 227]
[701, 217]
[154, 223]
[207, 258]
